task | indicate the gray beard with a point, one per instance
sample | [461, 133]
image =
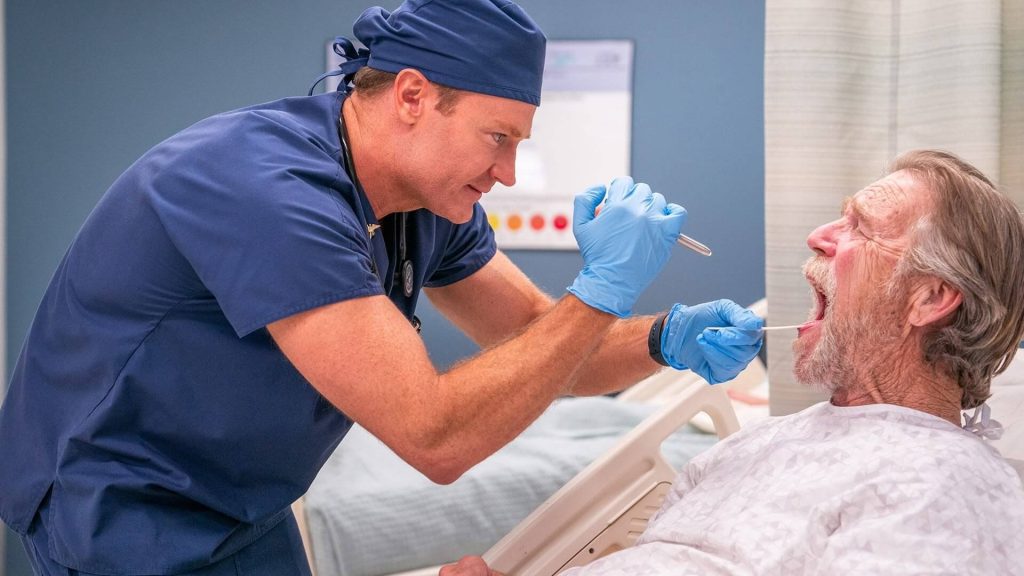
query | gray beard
[852, 347]
[828, 366]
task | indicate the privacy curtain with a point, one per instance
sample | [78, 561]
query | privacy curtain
[849, 84]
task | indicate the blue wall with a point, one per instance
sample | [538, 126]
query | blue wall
[93, 85]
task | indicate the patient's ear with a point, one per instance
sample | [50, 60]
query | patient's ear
[932, 301]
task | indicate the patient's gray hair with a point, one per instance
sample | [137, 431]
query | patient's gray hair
[974, 240]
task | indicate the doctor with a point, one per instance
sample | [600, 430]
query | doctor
[245, 291]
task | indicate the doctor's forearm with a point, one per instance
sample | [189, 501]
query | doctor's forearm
[488, 400]
[620, 360]
[366, 359]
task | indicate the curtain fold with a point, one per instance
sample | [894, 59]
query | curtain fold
[1012, 139]
[851, 84]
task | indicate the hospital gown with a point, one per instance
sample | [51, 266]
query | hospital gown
[875, 489]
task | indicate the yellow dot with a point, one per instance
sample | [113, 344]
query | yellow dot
[494, 221]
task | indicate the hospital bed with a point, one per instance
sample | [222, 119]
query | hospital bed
[607, 505]
[630, 471]
[627, 483]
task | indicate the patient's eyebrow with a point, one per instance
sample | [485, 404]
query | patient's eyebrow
[853, 205]
[850, 206]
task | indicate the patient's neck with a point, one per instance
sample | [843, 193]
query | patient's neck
[902, 382]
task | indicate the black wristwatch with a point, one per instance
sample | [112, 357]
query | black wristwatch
[654, 340]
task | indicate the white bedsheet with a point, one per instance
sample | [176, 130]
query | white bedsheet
[867, 490]
[370, 513]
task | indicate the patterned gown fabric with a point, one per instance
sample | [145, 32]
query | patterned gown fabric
[875, 489]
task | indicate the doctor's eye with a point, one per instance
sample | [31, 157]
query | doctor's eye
[499, 137]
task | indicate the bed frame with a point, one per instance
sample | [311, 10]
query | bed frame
[607, 505]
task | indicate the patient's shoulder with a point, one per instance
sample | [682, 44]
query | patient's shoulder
[918, 458]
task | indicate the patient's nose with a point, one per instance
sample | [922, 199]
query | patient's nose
[822, 239]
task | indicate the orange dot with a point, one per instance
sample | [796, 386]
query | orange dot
[515, 222]
[561, 222]
[537, 222]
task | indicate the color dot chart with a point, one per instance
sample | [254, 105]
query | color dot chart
[580, 138]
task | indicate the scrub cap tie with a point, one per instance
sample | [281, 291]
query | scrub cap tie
[354, 60]
[486, 46]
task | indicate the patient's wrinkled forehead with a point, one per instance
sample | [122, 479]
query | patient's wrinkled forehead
[881, 198]
[890, 204]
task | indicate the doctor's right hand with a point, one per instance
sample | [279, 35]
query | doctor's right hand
[625, 246]
[715, 355]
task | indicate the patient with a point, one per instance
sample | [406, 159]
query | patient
[920, 302]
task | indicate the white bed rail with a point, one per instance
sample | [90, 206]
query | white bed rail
[613, 498]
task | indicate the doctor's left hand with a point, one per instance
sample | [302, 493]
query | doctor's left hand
[715, 355]
[468, 566]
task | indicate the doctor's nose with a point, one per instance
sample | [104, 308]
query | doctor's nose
[822, 240]
[504, 170]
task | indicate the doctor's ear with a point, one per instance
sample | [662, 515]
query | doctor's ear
[410, 94]
[933, 300]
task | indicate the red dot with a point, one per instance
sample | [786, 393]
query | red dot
[561, 222]
[537, 222]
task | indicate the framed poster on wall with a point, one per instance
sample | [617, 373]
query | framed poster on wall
[581, 137]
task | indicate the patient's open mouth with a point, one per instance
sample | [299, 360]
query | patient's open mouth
[820, 306]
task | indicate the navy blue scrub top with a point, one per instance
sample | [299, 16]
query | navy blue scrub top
[149, 396]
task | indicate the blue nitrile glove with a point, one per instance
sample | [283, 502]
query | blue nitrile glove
[714, 355]
[625, 246]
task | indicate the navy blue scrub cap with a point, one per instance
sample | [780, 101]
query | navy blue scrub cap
[485, 46]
